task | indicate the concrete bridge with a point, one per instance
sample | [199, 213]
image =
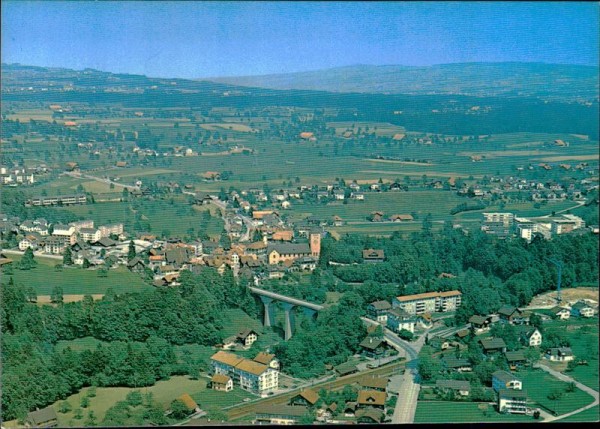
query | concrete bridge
[288, 303]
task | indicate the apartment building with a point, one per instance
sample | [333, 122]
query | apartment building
[429, 302]
[247, 374]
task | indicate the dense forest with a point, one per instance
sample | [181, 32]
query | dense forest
[139, 331]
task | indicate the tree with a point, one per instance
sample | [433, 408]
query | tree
[67, 256]
[179, 410]
[91, 419]
[27, 261]
[131, 251]
[56, 297]
[86, 263]
[85, 402]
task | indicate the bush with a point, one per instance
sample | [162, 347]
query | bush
[64, 407]
[91, 393]
[134, 398]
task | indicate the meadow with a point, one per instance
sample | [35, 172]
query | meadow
[590, 415]
[462, 412]
[74, 280]
[540, 384]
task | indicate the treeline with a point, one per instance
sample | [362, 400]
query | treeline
[488, 271]
[141, 329]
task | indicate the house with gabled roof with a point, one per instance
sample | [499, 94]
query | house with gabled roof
[515, 359]
[371, 398]
[44, 418]
[513, 315]
[454, 364]
[221, 382]
[374, 383]
[492, 346]
[560, 354]
[560, 313]
[373, 255]
[306, 397]
[369, 415]
[378, 311]
[267, 359]
[531, 337]
[460, 387]
[582, 309]
[399, 320]
[505, 380]
[480, 324]
[373, 347]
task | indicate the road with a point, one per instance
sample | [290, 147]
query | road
[36, 253]
[406, 406]
[563, 377]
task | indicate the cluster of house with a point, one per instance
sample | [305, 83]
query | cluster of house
[369, 407]
[17, 176]
[405, 312]
[85, 241]
[511, 397]
[505, 224]
[549, 190]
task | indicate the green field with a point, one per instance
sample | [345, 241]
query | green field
[583, 335]
[76, 281]
[438, 203]
[176, 218]
[589, 415]
[539, 384]
[462, 412]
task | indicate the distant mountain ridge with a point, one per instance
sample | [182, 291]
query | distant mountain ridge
[475, 79]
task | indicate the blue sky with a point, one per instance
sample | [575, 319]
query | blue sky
[208, 39]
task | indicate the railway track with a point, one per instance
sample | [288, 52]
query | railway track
[238, 411]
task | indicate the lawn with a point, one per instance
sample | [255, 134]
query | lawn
[583, 335]
[44, 277]
[462, 412]
[589, 415]
[540, 384]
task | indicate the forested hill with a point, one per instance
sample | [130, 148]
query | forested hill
[551, 81]
[441, 114]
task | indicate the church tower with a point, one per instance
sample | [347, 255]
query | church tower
[315, 244]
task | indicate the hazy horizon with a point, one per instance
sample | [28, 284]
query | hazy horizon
[196, 40]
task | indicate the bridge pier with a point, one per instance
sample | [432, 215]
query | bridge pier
[268, 309]
[309, 312]
[289, 319]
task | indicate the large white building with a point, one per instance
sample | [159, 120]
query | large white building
[248, 374]
[430, 302]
